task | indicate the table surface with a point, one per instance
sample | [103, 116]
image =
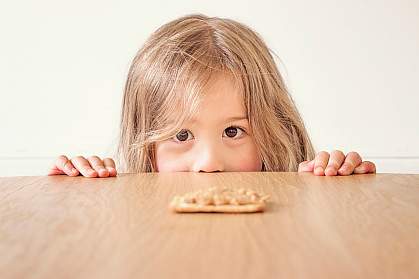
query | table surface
[358, 226]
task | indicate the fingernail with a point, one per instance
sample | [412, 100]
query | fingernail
[74, 171]
[319, 169]
[330, 169]
[91, 172]
[103, 171]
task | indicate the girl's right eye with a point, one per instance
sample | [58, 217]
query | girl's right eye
[183, 135]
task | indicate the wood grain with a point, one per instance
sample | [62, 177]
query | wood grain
[359, 226]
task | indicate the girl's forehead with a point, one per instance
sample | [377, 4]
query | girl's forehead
[221, 101]
[220, 97]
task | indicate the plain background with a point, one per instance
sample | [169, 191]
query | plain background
[351, 66]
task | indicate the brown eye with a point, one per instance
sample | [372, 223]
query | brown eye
[231, 132]
[182, 135]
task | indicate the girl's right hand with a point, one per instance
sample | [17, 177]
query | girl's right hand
[93, 166]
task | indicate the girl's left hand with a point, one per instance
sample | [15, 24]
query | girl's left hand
[337, 164]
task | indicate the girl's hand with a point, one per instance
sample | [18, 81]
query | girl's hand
[337, 164]
[90, 167]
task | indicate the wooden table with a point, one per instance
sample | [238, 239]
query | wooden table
[359, 226]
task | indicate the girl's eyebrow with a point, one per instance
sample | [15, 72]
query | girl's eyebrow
[233, 118]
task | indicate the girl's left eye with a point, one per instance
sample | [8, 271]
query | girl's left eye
[233, 131]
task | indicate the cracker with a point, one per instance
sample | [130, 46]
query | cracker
[220, 200]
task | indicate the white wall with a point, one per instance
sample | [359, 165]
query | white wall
[352, 68]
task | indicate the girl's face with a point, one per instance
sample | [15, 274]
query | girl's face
[217, 139]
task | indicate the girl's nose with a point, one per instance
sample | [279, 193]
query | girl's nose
[207, 159]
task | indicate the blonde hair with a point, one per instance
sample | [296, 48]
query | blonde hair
[184, 53]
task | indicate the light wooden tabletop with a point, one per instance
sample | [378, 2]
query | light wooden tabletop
[359, 226]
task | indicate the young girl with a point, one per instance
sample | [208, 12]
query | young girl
[204, 94]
